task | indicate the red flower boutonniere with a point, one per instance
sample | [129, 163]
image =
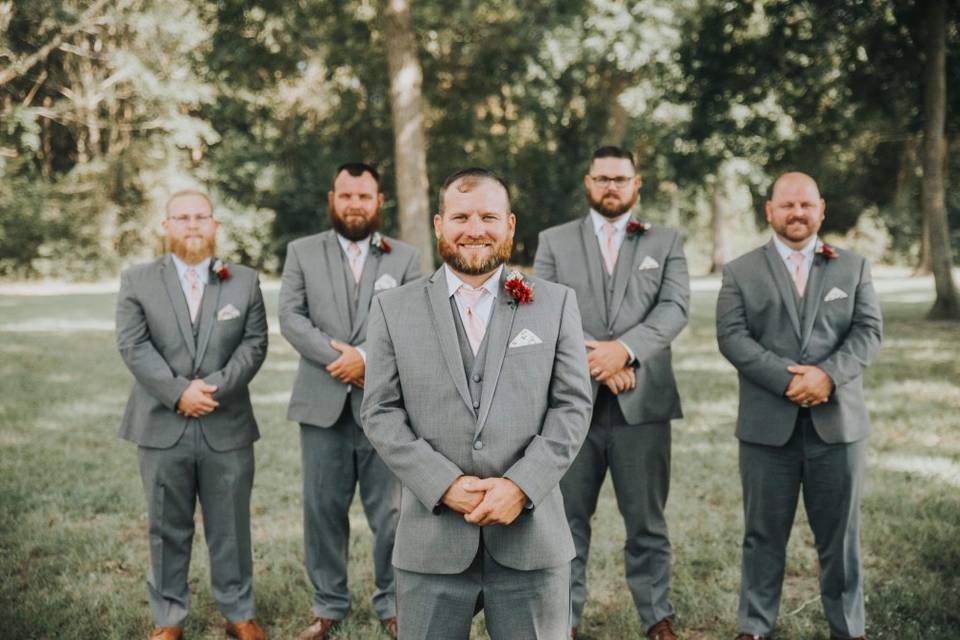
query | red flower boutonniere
[638, 227]
[519, 289]
[220, 268]
[825, 250]
[380, 243]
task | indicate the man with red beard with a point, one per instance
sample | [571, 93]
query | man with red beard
[631, 280]
[193, 331]
[800, 322]
[478, 399]
[329, 281]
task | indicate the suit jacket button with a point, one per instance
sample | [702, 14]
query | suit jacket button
[477, 377]
[478, 445]
[609, 334]
[476, 404]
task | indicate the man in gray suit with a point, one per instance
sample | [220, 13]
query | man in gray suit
[478, 398]
[193, 331]
[328, 282]
[631, 280]
[800, 322]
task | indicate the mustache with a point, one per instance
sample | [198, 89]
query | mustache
[800, 219]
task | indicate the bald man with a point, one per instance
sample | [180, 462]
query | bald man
[800, 322]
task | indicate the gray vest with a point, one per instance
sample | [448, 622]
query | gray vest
[353, 288]
[472, 364]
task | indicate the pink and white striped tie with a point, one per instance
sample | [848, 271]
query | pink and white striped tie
[474, 325]
[609, 247]
[353, 249]
[194, 293]
[798, 274]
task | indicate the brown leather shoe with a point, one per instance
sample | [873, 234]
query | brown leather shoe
[246, 630]
[856, 638]
[750, 636]
[663, 630]
[319, 629]
[390, 626]
[573, 633]
[166, 633]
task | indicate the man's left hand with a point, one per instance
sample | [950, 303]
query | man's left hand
[502, 503]
[606, 358]
[349, 368]
[810, 386]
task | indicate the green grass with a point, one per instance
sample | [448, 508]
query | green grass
[73, 529]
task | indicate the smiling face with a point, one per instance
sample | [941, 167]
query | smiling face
[355, 205]
[795, 209]
[191, 228]
[475, 230]
[612, 186]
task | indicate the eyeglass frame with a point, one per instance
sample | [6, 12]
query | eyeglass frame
[618, 182]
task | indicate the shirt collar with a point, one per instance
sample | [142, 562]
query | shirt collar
[785, 251]
[619, 223]
[363, 244]
[202, 268]
[492, 284]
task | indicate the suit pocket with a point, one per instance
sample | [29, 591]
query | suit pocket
[526, 350]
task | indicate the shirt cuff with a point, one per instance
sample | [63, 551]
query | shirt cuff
[629, 352]
[363, 354]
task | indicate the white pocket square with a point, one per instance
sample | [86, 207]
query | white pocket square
[524, 339]
[648, 263]
[386, 281]
[835, 294]
[228, 312]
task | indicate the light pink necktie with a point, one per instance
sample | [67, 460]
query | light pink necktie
[609, 247]
[194, 293]
[798, 273]
[354, 250]
[474, 325]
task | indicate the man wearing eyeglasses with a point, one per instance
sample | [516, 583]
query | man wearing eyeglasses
[631, 280]
[193, 332]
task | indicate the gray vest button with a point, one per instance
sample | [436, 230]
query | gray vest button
[478, 445]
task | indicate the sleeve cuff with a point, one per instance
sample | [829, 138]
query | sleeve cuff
[633, 356]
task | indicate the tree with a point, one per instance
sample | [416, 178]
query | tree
[947, 304]
[410, 153]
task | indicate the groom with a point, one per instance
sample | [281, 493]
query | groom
[478, 398]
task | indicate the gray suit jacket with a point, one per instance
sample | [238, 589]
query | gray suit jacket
[533, 416]
[761, 330]
[313, 310]
[156, 341]
[649, 307]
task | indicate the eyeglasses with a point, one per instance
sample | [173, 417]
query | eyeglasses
[187, 219]
[604, 181]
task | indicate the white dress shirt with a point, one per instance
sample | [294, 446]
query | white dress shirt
[485, 306]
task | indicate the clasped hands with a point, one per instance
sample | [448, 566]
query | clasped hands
[607, 361]
[197, 400]
[810, 385]
[349, 368]
[487, 501]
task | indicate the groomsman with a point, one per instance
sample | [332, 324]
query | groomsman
[193, 332]
[478, 398]
[329, 280]
[631, 280]
[800, 321]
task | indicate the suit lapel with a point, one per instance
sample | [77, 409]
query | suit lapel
[784, 285]
[178, 302]
[207, 316]
[813, 297]
[331, 250]
[371, 266]
[626, 259]
[591, 250]
[436, 292]
[498, 336]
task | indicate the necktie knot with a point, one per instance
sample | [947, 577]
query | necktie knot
[797, 259]
[470, 295]
[192, 277]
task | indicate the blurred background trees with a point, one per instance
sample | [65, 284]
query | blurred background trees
[106, 106]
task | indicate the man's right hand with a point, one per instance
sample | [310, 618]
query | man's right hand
[621, 381]
[196, 400]
[461, 500]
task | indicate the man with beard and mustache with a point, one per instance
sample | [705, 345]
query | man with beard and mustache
[631, 279]
[329, 280]
[800, 322]
[193, 331]
[478, 398]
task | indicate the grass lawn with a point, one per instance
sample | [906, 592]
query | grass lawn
[73, 538]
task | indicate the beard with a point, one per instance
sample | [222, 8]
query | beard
[354, 227]
[794, 233]
[477, 265]
[613, 210]
[193, 249]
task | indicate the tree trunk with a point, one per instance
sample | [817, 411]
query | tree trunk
[409, 140]
[718, 255]
[947, 304]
